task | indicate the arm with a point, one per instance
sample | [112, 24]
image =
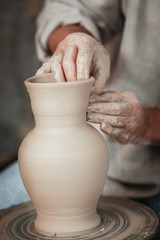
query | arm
[60, 33]
[152, 129]
[64, 29]
[100, 18]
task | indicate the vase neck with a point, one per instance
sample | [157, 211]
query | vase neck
[61, 122]
[56, 104]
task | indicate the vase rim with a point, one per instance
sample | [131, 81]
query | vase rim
[47, 80]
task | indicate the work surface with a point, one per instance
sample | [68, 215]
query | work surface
[121, 219]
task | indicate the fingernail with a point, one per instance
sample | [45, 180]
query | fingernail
[89, 107]
[92, 100]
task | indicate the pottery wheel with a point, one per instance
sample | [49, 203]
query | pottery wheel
[122, 219]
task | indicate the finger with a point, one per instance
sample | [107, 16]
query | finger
[101, 68]
[45, 68]
[108, 96]
[113, 108]
[117, 133]
[111, 131]
[56, 66]
[40, 71]
[83, 62]
[69, 63]
[95, 118]
[112, 120]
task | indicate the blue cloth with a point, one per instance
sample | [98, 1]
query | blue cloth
[12, 190]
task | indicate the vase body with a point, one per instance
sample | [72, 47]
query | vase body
[63, 161]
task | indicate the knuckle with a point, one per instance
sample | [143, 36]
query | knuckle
[39, 72]
[44, 65]
[71, 39]
[81, 60]
[67, 62]
[130, 95]
[88, 44]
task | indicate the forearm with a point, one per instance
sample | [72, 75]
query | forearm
[151, 134]
[60, 33]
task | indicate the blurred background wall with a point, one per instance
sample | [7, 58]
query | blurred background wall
[18, 61]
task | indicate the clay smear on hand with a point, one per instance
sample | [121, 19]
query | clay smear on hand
[78, 57]
[120, 115]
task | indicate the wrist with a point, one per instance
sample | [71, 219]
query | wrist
[151, 132]
[60, 33]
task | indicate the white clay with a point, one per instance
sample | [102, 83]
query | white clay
[63, 161]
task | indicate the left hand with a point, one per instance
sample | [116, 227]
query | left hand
[77, 57]
[119, 114]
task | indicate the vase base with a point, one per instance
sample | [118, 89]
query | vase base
[120, 219]
[67, 226]
[63, 235]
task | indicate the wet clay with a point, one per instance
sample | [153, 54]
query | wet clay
[63, 161]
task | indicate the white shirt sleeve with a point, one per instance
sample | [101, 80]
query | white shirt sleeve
[99, 17]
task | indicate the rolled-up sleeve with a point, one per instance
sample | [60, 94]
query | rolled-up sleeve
[96, 16]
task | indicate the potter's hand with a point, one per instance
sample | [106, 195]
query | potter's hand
[119, 114]
[78, 57]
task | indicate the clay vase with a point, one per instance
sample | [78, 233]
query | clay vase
[63, 161]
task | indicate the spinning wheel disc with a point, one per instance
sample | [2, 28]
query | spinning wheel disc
[121, 219]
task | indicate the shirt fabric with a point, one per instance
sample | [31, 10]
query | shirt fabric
[130, 30]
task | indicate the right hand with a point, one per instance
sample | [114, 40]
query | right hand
[120, 115]
[77, 57]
